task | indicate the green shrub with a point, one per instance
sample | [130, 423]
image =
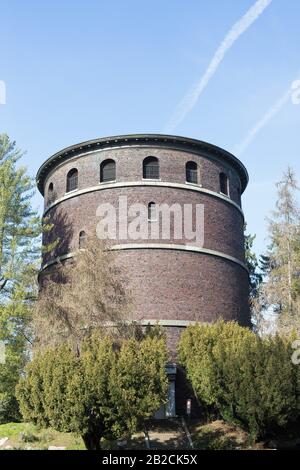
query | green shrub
[108, 390]
[250, 380]
[9, 409]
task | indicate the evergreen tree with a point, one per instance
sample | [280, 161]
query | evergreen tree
[248, 379]
[19, 223]
[255, 276]
[107, 390]
[282, 261]
[255, 280]
[19, 251]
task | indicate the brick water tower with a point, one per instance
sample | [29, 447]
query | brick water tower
[173, 281]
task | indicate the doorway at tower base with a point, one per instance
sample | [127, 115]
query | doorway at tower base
[168, 410]
[181, 399]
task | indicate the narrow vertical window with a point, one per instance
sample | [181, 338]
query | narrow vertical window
[107, 171]
[191, 172]
[82, 239]
[50, 193]
[224, 184]
[151, 168]
[151, 211]
[72, 180]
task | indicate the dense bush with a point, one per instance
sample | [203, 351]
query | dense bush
[250, 380]
[15, 360]
[9, 409]
[107, 390]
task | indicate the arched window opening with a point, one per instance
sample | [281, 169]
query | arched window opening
[72, 180]
[50, 193]
[224, 184]
[152, 211]
[151, 168]
[82, 239]
[191, 172]
[107, 171]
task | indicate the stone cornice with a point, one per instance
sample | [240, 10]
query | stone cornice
[180, 247]
[157, 246]
[128, 184]
[167, 141]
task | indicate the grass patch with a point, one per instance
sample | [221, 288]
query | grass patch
[25, 435]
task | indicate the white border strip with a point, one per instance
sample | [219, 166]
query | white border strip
[157, 246]
[174, 246]
[128, 184]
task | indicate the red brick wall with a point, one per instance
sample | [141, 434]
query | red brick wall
[177, 285]
[165, 284]
[223, 223]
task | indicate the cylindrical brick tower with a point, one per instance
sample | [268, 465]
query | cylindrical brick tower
[173, 280]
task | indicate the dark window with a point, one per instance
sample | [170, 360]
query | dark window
[191, 172]
[224, 186]
[107, 171]
[50, 193]
[82, 239]
[151, 211]
[151, 168]
[72, 180]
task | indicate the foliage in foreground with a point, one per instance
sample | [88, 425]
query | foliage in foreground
[107, 391]
[20, 230]
[250, 380]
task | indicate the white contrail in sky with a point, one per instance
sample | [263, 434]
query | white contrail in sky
[263, 121]
[275, 108]
[191, 98]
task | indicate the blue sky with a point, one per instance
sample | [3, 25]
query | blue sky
[78, 70]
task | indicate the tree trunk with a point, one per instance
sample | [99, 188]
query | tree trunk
[92, 440]
[289, 278]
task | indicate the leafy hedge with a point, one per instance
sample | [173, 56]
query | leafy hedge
[108, 390]
[250, 380]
